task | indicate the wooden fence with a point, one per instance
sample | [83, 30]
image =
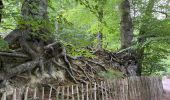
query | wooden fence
[132, 88]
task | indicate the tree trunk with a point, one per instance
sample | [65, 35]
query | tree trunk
[146, 18]
[100, 15]
[1, 7]
[126, 25]
[27, 38]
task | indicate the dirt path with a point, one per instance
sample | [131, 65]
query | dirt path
[166, 86]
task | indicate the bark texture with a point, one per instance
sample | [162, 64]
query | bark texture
[126, 25]
[1, 7]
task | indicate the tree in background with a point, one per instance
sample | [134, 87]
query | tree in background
[126, 25]
[97, 8]
[1, 7]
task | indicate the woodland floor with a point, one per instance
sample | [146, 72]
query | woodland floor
[166, 86]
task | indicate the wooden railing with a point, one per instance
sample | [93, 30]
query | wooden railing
[132, 88]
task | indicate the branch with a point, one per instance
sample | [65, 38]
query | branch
[13, 54]
[18, 69]
[27, 48]
[97, 63]
[162, 12]
[67, 70]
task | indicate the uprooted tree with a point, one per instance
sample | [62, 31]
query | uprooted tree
[33, 50]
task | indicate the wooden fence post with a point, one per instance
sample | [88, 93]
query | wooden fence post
[14, 97]
[105, 91]
[35, 93]
[109, 90]
[82, 92]
[77, 91]
[68, 93]
[101, 85]
[49, 98]
[87, 91]
[72, 92]
[26, 93]
[3, 96]
[95, 91]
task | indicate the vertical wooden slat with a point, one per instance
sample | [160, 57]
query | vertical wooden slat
[95, 98]
[77, 91]
[19, 94]
[87, 91]
[35, 93]
[58, 93]
[63, 94]
[51, 88]
[109, 90]
[98, 90]
[105, 92]
[101, 85]
[42, 96]
[3, 96]
[72, 92]
[90, 92]
[68, 93]
[26, 93]
[114, 90]
[14, 97]
[82, 92]
[126, 89]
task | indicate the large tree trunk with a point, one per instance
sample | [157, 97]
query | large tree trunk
[26, 40]
[23, 38]
[126, 25]
[140, 52]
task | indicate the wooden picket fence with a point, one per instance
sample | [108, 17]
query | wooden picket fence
[132, 88]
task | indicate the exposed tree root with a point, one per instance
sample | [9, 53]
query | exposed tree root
[68, 71]
[36, 56]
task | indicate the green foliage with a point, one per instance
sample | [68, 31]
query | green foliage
[111, 74]
[155, 31]
[3, 45]
[78, 25]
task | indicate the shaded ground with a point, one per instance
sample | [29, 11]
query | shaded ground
[166, 86]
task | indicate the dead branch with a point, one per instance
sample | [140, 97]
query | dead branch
[97, 63]
[84, 72]
[67, 70]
